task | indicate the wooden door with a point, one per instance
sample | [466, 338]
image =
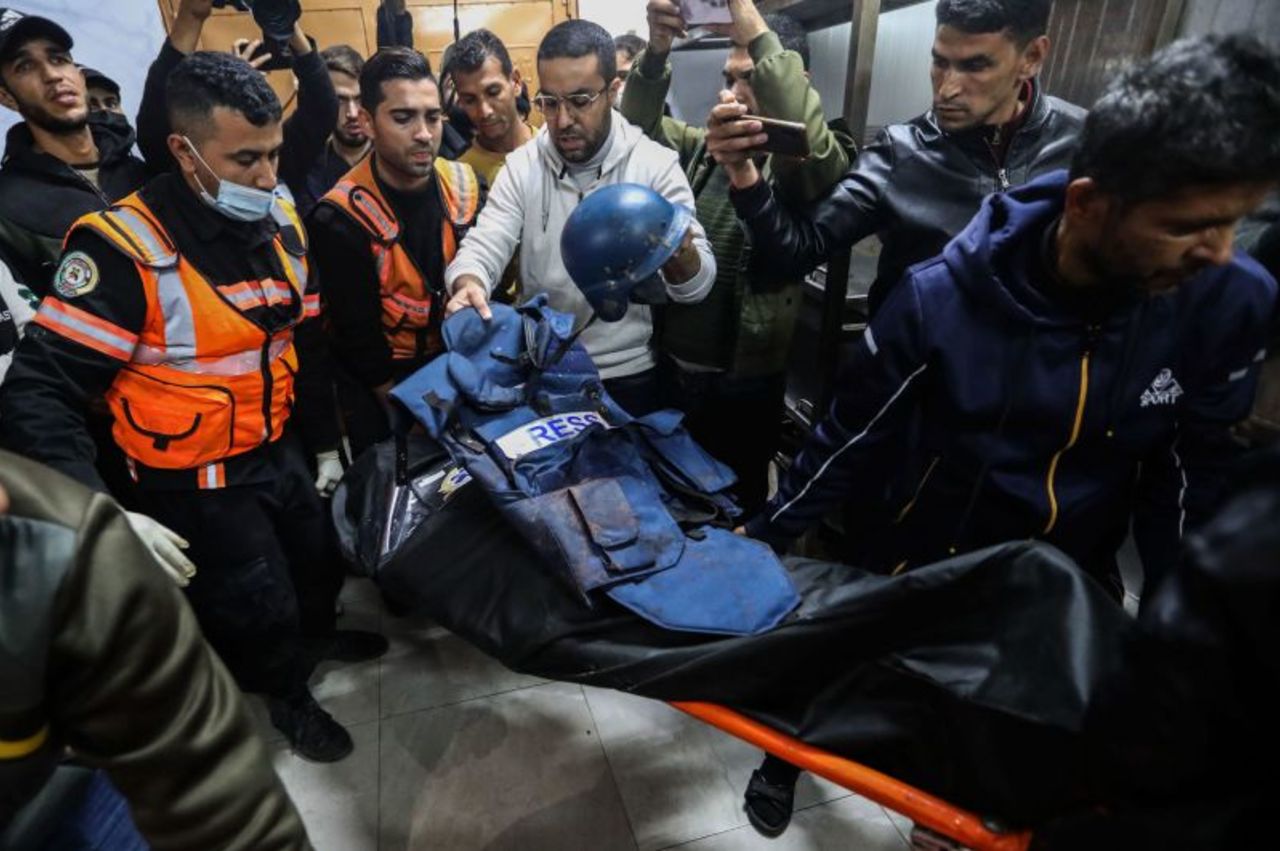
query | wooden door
[519, 23]
[1093, 39]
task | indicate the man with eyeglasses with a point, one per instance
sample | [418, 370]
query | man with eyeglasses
[583, 147]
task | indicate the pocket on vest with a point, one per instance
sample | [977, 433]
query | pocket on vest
[603, 531]
[174, 428]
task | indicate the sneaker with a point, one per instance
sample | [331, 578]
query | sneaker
[312, 732]
[769, 805]
[349, 645]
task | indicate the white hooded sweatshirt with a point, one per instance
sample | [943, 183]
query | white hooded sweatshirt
[528, 205]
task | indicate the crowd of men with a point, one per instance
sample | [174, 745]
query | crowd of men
[1062, 336]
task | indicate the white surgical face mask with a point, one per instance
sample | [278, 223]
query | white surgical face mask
[240, 203]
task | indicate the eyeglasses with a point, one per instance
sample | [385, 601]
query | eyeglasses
[576, 102]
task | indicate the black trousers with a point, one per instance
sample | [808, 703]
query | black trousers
[363, 417]
[738, 420]
[264, 578]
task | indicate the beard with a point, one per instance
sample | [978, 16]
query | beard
[40, 117]
[1122, 272]
[591, 142]
[589, 147]
[408, 166]
[349, 140]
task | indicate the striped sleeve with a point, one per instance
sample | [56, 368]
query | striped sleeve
[853, 447]
[66, 320]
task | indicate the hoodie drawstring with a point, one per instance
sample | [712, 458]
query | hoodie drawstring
[549, 182]
[548, 186]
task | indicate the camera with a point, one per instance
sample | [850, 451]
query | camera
[276, 19]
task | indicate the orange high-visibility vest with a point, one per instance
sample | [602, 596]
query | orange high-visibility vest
[409, 303]
[202, 382]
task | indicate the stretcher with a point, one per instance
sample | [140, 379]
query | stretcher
[938, 825]
[967, 678]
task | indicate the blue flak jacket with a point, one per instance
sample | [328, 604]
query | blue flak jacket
[626, 508]
[976, 411]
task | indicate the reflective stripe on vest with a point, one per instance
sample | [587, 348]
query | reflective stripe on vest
[212, 477]
[136, 233]
[243, 363]
[286, 218]
[247, 295]
[69, 321]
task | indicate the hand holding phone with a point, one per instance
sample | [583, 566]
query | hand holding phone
[665, 25]
[700, 12]
[785, 138]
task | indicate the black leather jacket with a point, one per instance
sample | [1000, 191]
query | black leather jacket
[916, 186]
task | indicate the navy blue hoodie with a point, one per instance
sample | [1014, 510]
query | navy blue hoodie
[976, 409]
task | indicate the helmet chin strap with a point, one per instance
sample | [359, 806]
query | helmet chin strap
[565, 344]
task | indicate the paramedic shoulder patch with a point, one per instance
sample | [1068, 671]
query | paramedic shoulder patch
[76, 276]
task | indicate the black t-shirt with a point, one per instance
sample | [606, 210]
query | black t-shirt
[1092, 304]
[353, 300]
[421, 218]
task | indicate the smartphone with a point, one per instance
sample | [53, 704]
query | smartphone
[698, 12]
[786, 138]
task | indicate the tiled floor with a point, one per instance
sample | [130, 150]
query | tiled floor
[455, 752]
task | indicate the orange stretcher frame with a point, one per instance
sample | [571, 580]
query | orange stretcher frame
[922, 808]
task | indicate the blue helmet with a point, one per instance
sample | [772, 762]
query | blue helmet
[616, 241]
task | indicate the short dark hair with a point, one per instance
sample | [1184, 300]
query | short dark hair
[628, 43]
[344, 59]
[209, 79]
[790, 33]
[1023, 20]
[1199, 112]
[473, 49]
[391, 63]
[577, 38]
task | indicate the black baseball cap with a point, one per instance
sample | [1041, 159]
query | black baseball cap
[17, 28]
[94, 77]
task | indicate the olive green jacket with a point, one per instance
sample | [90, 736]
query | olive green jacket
[745, 325]
[100, 653]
